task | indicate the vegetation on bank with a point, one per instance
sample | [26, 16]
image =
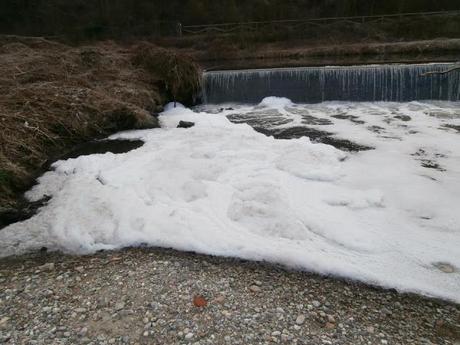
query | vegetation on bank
[88, 19]
[53, 97]
[178, 73]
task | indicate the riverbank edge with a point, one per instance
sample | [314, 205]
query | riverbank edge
[55, 97]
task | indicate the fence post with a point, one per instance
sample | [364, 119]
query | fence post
[179, 29]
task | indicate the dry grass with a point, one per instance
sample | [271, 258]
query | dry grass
[53, 97]
[180, 73]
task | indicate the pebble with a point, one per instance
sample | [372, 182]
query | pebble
[220, 299]
[329, 325]
[119, 306]
[80, 269]
[300, 320]
[331, 319]
[153, 305]
[47, 267]
[445, 267]
[255, 288]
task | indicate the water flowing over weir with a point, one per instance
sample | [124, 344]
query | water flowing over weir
[398, 83]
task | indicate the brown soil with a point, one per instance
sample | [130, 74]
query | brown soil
[53, 97]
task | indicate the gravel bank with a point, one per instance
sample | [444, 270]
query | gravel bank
[150, 296]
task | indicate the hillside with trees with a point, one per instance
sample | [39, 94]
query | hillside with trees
[87, 19]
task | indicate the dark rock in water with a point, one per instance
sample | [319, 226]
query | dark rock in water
[25, 210]
[268, 122]
[185, 124]
[403, 117]
[308, 119]
[444, 267]
[426, 163]
[345, 145]
[419, 153]
[456, 127]
[315, 135]
[376, 129]
[351, 118]
[312, 120]
[294, 132]
[441, 114]
[265, 118]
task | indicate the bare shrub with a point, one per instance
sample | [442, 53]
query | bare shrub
[179, 72]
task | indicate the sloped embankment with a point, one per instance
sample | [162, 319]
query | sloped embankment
[53, 97]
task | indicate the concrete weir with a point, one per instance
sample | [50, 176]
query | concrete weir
[395, 82]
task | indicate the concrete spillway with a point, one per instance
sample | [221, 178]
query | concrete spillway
[398, 83]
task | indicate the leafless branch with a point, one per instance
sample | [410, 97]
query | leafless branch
[441, 72]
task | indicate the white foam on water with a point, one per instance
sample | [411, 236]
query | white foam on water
[219, 188]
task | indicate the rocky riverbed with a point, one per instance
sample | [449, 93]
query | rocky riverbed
[156, 296]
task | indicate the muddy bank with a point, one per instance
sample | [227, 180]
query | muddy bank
[54, 97]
